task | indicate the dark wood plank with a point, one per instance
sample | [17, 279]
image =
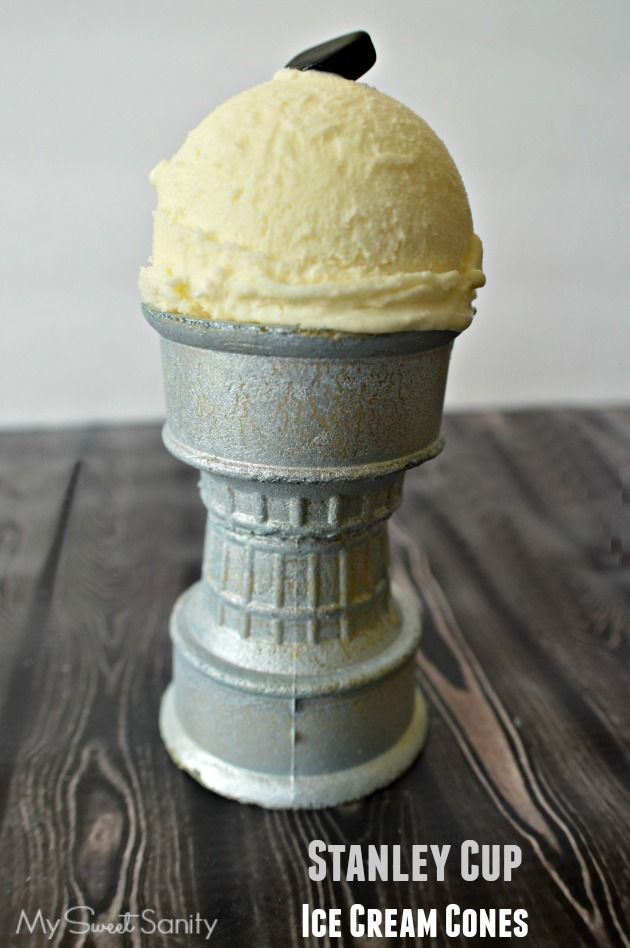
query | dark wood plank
[515, 544]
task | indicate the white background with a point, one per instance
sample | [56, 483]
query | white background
[531, 99]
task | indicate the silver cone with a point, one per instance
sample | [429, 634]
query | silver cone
[293, 680]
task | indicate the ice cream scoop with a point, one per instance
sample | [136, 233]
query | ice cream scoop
[315, 202]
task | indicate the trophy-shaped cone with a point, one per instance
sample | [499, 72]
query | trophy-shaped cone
[293, 681]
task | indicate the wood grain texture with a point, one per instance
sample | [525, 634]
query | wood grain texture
[515, 543]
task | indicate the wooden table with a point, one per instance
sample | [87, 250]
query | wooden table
[514, 544]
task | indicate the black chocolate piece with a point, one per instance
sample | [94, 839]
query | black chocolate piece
[349, 56]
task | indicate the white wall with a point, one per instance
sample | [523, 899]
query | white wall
[531, 99]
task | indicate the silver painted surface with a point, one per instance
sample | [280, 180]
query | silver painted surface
[293, 656]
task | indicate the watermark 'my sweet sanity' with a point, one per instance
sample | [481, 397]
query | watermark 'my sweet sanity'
[82, 920]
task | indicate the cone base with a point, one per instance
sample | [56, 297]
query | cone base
[285, 792]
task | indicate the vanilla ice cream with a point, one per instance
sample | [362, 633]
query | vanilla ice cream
[316, 202]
